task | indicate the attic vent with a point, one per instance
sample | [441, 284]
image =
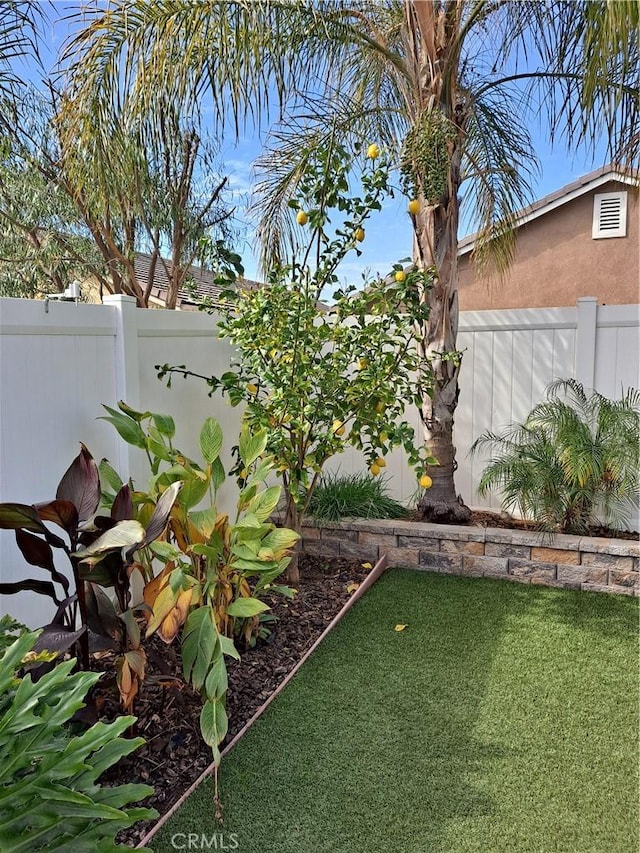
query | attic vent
[609, 215]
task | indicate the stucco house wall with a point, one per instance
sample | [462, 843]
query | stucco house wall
[557, 261]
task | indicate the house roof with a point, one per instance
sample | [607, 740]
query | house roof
[575, 189]
[203, 279]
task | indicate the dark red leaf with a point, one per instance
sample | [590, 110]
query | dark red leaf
[101, 613]
[81, 485]
[60, 512]
[17, 516]
[56, 639]
[122, 508]
[42, 587]
[37, 552]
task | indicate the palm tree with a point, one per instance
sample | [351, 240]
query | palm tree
[449, 87]
[18, 37]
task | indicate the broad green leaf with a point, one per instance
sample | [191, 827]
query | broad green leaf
[165, 425]
[199, 643]
[209, 551]
[252, 446]
[15, 516]
[109, 476]
[165, 550]
[218, 474]
[280, 539]
[204, 520]
[193, 491]
[244, 608]
[128, 429]
[228, 647]
[133, 413]
[264, 503]
[211, 439]
[216, 682]
[213, 721]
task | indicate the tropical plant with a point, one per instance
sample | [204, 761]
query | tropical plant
[450, 86]
[339, 496]
[19, 30]
[216, 571]
[101, 551]
[572, 463]
[51, 795]
[315, 379]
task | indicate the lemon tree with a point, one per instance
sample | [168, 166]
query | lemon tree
[323, 377]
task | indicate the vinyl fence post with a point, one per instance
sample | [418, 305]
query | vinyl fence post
[127, 372]
[587, 309]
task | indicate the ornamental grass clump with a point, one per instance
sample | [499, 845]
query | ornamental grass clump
[572, 464]
[353, 496]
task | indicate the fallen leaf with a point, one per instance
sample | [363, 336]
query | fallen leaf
[367, 566]
[399, 628]
[353, 587]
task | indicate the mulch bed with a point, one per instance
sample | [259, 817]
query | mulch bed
[168, 710]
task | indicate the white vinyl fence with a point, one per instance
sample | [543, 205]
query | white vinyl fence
[60, 361]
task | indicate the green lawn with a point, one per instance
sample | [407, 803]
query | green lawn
[503, 718]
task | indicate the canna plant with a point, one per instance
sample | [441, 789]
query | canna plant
[572, 463]
[101, 552]
[51, 799]
[215, 571]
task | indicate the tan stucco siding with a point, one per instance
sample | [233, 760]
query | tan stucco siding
[557, 261]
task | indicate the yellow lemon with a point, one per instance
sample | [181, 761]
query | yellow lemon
[400, 275]
[375, 470]
[414, 207]
[362, 363]
[383, 437]
[338, 427]
[425, 481]
[379, 407]
[252, 389]
[244, 474]
[360, 234]
[380, 462]
[302, 218]
[373, 151]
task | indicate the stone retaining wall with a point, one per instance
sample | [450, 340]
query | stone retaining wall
[569, 562]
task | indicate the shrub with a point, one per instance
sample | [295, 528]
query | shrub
[50, 797]
[572, 463]
[353, 496]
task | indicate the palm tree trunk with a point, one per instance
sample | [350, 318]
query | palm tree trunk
[436, 245]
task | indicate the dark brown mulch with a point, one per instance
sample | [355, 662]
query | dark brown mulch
[168, 710]
[493, 519]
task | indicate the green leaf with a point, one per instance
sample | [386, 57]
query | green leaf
[213, 721]
[280, 539]
[109, 475]
[252, 446]
[244, 608]
[165, 425]
[218, 474]
[264, 503]
[228, 647]
[165, 550]
[128, 429]
[216, 682]
[199, 643]
[211, 439]
[15, 516]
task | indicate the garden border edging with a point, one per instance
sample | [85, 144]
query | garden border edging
[557, 560]
[379, 568]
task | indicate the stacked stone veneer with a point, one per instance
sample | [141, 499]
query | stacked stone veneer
[570, 562]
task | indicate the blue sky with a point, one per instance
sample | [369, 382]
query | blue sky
[388, 233]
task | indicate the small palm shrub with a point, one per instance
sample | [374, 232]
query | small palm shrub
[50, 796]
[573, 462]
[353, 496]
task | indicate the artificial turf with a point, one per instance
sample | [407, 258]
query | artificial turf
[502, 718]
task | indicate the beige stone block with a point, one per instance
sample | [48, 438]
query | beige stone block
[506, 549]
[607, 561]
[418, 542]
[555, 555]
[601, 587]
[617, 547]
[353, 551]
[620, 578]
[491, 566]
[528, 569]
[453, 546]
[581, 574]
[441, 562]
[381, 540]
[339, 534]
[383, 526]
[402, 556]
